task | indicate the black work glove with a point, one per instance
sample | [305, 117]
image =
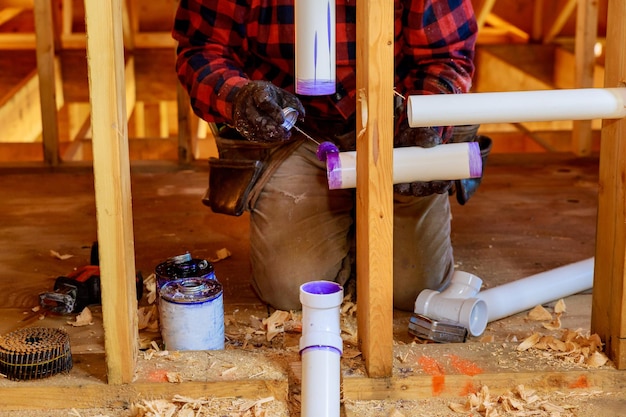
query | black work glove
[424, 137]
[258, 111]
[465, 188]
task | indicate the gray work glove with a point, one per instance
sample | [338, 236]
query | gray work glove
[426, 138]
[258, 111]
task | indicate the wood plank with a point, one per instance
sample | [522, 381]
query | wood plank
[374, 207]
[107, 87]
[483, 10]
[586, 30]
[608, 317]
[185, 115]
[47, 80]
[8, 13]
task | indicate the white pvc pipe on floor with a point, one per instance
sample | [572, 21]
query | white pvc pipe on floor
[462, 303]
[526, 293]
[453, 161]
[457, 303]
[321, 347]
[516, 107]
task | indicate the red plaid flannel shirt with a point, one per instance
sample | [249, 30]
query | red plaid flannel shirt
[223, 43]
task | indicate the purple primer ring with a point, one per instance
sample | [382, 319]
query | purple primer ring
[321, 287]
[331, 349]
[324, 149]
[475, 160]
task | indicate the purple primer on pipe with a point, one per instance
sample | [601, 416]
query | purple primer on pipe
[321, 347]
[333, 171]
[475, 160]
[324, 149]
[321, 287]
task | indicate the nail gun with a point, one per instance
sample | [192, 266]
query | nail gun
[79, 288]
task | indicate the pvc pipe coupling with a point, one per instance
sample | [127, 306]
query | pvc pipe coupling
[458, 303]
[321, 347]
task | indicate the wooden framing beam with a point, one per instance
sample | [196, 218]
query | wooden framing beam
[374, 207]
[560, 21]
[608, 313]
[107, 88]
[44, 29]
[483, 10]
[586, 33]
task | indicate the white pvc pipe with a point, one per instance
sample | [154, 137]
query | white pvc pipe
[451, 161]
[321, 347]
[526, 293]
[516, 107]
[456, 303]
[315, 47]
[461, 302]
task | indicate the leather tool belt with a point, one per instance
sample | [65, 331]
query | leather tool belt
[237, 177]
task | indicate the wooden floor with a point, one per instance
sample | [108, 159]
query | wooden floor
[533, 212]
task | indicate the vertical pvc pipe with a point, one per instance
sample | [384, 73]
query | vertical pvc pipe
[516, 106]
[321, 348]
[315, 47]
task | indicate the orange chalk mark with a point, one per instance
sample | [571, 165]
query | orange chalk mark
[581, 382]
[434, 368]
[464, 366]
[158, 376]
[468, 389]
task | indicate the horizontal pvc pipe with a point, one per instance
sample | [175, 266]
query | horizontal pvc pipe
[451, 161]
[516, 107]
[457, 303]
[321, 347]
[526, 293]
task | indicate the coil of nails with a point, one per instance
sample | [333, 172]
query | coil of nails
[35, 353]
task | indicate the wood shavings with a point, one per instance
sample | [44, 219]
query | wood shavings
[174, 377]
[559, 307]
[572, 346]
[554, 324]
[147, 318]
[395, 413]
[539, 313]
[85, 318]
[519, 402]
[181, 406]
[274, 324]
[150, 282]
[57, 255]
[221, 254]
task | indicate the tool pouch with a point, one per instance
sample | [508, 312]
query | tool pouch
[241, 171]
[230, 183]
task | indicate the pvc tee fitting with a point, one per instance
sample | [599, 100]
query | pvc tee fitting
[321, 347]
[456, 303]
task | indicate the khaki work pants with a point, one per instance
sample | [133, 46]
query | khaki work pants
[301, 231]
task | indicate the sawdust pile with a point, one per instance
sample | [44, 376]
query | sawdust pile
[573, 347]
[181, 406]
[520, 402]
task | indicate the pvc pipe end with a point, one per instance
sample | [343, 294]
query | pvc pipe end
[475, 160]
[474, 316]
[321, 294]
[324, 149]
[333, 171]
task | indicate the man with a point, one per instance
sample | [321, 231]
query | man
[236, 59]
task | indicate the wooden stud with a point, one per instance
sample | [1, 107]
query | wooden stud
[483, 11]
[374, 198]
[47, 88]
[537, 28]
[107, 87]
[586, 32]
[185, 115]
[608, 313]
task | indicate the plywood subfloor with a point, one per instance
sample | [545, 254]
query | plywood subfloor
[534, 212]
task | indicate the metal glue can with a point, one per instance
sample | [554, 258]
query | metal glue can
[183, 266]
[192, 314]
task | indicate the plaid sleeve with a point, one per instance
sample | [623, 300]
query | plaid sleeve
[208, 34]
[436, 47]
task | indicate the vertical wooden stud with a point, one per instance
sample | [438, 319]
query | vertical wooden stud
[586, 32]
[374, 198]
[608, 313]
[47, 89]
[185, 115]
[105, 57]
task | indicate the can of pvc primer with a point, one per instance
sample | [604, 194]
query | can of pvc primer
[183, 266]
[192, 314]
